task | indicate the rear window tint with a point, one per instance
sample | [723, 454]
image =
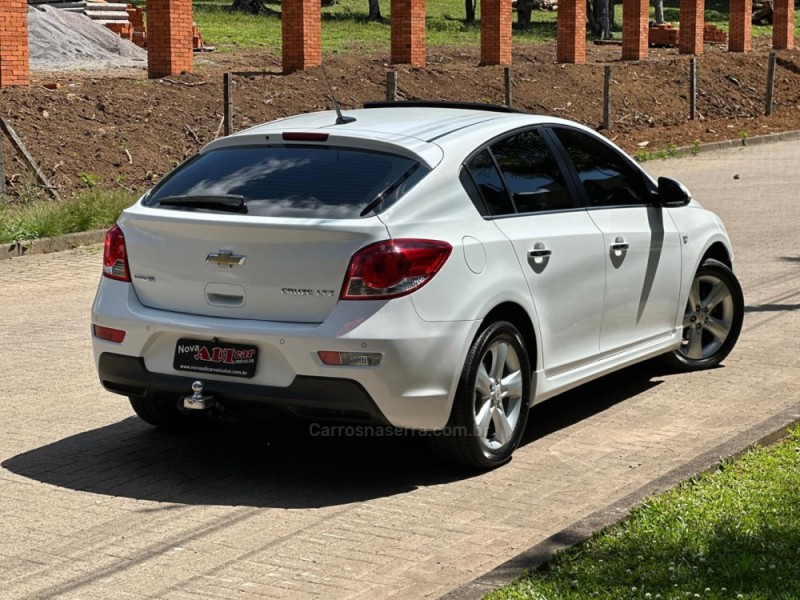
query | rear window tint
[295, 181]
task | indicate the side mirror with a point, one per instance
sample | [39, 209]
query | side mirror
[672, 192]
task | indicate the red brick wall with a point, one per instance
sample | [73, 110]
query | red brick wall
[635, 34]
[14, 55]
[169, 37]
[739, 25]
[408, 32]
[783, 24]
[302, 34]
[571, 32]
[495, 32]
[691, 27]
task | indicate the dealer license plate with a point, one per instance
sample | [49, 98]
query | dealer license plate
[215, 357]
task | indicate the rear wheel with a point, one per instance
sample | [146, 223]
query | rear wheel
[712, 320]
[490, 409]
[159, 413]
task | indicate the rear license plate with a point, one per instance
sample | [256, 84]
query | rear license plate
[215, 357]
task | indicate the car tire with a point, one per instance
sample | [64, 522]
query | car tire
[488, 416]
[712, 319]
[159, 413]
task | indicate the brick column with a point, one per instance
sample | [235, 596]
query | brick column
[408, 32]
[14, 54]
[301, 30]
[169, 37]
[739, 25]
[571, 32]
[495, 32]
[783, 24]
[692, 17]
[635, 29]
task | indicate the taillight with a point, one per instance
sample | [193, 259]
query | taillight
[393, 268]
[115, 257]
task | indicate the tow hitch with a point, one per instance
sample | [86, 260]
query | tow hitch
[198, 401]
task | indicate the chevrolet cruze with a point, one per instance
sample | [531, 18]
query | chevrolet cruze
[435, 267]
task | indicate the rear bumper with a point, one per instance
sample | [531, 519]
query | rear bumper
[312, 397]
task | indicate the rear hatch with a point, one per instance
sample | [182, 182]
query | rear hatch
[261, 232]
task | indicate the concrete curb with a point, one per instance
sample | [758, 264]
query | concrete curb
[54, 244]
[768, 138]
[765, 433]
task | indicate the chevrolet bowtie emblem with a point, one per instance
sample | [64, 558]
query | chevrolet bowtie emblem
[226, 258]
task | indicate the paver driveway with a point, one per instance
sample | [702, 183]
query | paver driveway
[93, 503]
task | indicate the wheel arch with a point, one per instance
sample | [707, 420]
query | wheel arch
[517, 316]
[718, 251]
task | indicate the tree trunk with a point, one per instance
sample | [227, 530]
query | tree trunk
[254, 7]
[374, 11]
[660, 12]
[600, 23]
[469, 8]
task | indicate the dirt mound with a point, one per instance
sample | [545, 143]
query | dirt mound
[112, 130]
[61, 40]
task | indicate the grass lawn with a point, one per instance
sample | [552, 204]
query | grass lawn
[39, 218]
[734, 533]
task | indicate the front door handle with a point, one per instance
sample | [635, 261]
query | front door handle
[539, 251]
[619, 244]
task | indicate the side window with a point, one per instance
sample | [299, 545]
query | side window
[531, 173]
[606, 176]
[490, 184]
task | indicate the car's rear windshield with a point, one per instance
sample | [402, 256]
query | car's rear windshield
[290, 181]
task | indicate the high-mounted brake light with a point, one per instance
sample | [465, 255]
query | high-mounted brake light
[115, 256]
[301, 136]
[393, 268]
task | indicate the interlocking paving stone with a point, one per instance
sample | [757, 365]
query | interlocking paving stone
[93, 503]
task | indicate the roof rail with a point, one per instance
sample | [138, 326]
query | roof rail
[442, 104]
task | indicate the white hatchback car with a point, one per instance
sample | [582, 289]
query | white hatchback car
[428, 266]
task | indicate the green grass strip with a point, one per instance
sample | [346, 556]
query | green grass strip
[733, 533]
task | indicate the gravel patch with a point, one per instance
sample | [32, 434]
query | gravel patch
[64, 41]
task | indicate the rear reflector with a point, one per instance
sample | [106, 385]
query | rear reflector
[108, 334]
[115, 256]
[300, 136]
[350, 359]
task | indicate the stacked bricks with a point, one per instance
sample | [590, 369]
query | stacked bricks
[302, 34]
[14, 53]
[783, 24]
[136, 19]
[408, 31]
[495, 32]
[123, 30]
[169, 43]
[663, 35]
[635, 24]
[571, 32]
[739, 25]
[690, 39]
[714, 35]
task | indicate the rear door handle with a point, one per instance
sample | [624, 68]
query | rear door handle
[539, 251]
[619, 244]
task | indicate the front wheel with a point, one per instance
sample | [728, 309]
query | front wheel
[712, 320]
[490, 409]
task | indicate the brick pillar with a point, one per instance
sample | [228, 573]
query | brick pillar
[692, 18]
[14, 55]
[408, 32]
[783, 24]
[635, 29]
[739, 25]
[169, 37]
[571, 32]
[495, 32]
[301, 30]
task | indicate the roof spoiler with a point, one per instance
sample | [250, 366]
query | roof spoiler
[443, 104]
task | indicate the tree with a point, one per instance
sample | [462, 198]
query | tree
[599, 14]
[659, 12]
[254, 7]
[469, 8]
[374, 11]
